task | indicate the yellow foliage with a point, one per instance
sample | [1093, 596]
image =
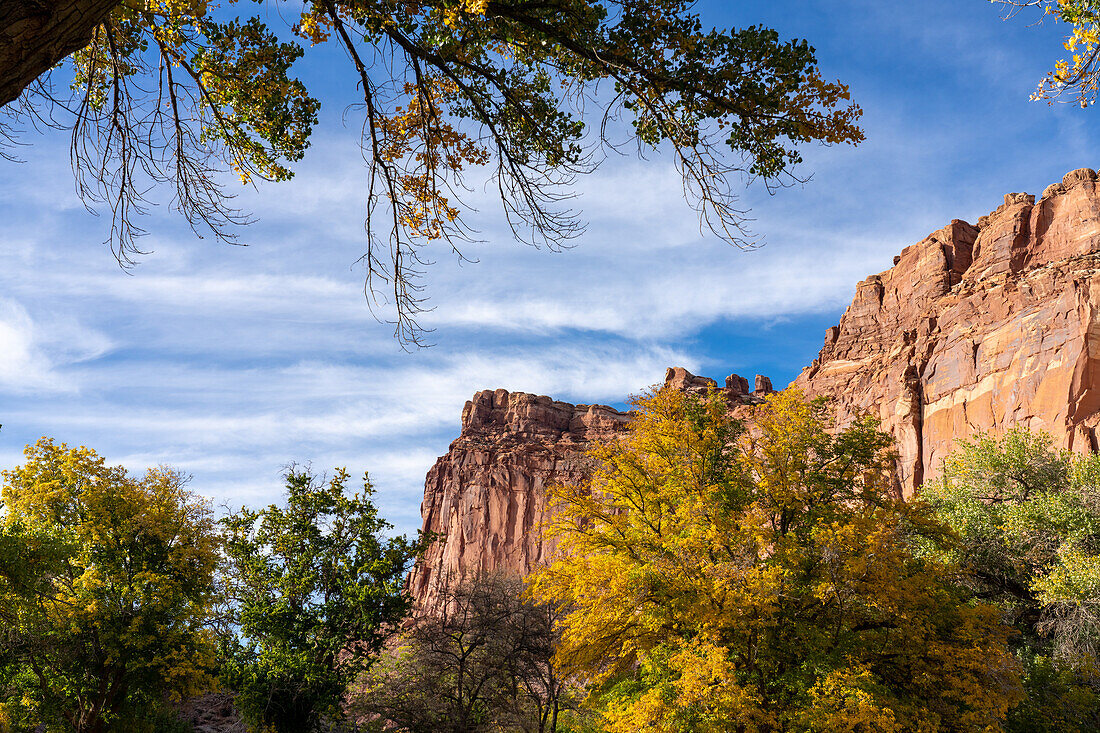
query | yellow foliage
[314, 26]
[419, 135]
[841, 703]
[121, 569]
[1078, 75]
[719, 580]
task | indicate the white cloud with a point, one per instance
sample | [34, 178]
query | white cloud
[661, 300]
[31, 352]
[21, 364]
[318, 403]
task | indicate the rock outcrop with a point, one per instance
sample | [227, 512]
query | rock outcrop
[975, 328]
[978, 328]
[486, 498]
[213, 712]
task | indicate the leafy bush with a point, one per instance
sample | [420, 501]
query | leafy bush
[1027, 517]
[169, 721]
[1057, 699]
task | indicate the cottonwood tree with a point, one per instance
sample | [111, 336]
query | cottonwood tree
[314, 587]
[522, 94]
[1028, 521]
[764, 581]
[480, 660]
[106, 586]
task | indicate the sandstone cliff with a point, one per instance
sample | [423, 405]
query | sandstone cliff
[485, 499]
[976, 327]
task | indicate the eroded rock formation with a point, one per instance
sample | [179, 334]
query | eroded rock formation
[978, 328]
[975, 328]
[486, 498]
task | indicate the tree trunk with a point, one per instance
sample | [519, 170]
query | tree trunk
[36, 34]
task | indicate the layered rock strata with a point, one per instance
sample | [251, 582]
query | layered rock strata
[975, 329]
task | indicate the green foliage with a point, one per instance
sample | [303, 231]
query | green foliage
[106, 582]
[315, 587]
[1028, 523]
[766, 582]
[1057, 699]
[169, 721]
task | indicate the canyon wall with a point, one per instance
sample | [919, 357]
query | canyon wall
[484, 500]
[975, 328]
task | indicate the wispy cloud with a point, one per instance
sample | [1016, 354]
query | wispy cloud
[32, 352]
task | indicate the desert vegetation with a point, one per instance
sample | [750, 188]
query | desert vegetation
[711, 576]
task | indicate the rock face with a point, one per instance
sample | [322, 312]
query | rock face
[975, 328]
[485, 499]
[978, 328]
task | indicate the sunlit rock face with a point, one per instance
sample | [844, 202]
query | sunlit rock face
[977, 328]
[485, 499]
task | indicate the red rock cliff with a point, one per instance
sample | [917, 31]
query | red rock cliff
[485, 499]
[975, 327]
[978, 328]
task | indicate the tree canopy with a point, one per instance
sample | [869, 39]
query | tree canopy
[106, 585]
[314, 588]
[765, 581]
[1028, 522]
[521, 94]
[119, 597]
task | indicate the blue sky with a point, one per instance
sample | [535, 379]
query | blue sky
[230, 362]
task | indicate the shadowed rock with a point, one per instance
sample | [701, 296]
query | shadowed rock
[737, 384]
